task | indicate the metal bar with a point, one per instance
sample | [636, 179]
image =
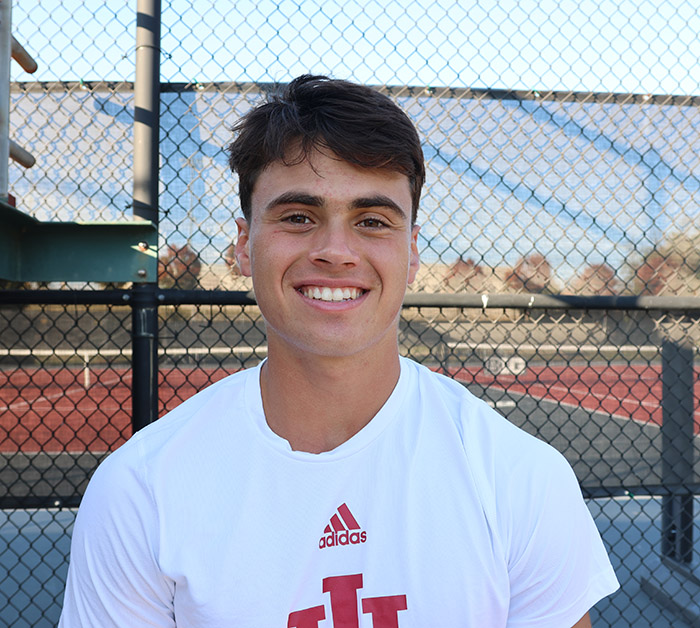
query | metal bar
[21, 156]
[619, 98]
[467, 301]
[5, 53]
[65, 297]
[147, 110]
[552, 301]
[677, 450]
[22, 57]
[145, 205]
[464, 301]
[144, 338]
[206, 297]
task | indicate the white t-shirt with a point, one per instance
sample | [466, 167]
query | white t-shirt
[439, 513]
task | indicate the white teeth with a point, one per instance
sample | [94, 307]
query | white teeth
[331, 294]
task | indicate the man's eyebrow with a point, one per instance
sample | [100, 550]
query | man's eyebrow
[298, 198]
[378, 201]
[363, 202]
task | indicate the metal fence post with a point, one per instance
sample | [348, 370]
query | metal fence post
[677, 451]
[5, 48]
[144, 338]
[145, 205]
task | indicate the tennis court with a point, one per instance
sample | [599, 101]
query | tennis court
[605, 418]
[69, 408]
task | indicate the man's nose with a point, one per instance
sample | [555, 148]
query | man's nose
[334, 244]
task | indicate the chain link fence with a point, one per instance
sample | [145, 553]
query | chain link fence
[559, 237]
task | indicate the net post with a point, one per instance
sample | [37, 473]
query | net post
[677, 451]
[86, 369]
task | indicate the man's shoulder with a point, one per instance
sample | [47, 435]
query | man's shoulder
[486, 435]
[433, 382]
[449, 394]
[189, 422]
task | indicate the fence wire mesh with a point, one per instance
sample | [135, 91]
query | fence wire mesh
[561, 151]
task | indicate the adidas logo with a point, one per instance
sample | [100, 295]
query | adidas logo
[343, 529]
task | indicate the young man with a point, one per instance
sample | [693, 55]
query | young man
[336, 485]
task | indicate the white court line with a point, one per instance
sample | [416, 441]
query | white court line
[566, 404]
[86, 355]
[21, 403]
[502, 403]
[590, 393]
[575, 406]
[633, 402]
[484, 346]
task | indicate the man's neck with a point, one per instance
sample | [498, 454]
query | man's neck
[318, 403]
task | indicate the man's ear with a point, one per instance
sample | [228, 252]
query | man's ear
[414, 261]
[243, 246]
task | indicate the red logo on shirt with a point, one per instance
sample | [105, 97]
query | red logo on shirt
[344, 596]
[343, 529]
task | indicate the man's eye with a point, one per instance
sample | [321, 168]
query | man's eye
[297, 219]
[373, 223]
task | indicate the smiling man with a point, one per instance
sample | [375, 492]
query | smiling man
[336, 485]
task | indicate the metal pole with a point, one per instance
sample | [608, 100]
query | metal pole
[677, 451]
[145, 206]
[5, 54]
[144, 341]
[147, 110]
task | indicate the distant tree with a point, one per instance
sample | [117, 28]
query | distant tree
[658, 274]
[179, 267]
[113, 285]
[597, 279]
[686, 248]
[672, 267]
[6, 284]
[532, 273]
[465, 276]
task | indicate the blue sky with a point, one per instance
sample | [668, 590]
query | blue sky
[639, 46]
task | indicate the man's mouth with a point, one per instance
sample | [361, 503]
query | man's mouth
[324, 293]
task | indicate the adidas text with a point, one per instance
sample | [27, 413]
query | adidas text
[345, 537]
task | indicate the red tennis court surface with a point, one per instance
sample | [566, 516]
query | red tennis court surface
[55, 410]
[624, 391]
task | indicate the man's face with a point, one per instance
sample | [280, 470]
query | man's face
[331, 249]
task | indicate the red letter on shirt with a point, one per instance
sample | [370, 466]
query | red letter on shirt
[343, 590]
[385, 610]
[308, 618]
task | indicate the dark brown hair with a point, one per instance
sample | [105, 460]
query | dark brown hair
[357, 123]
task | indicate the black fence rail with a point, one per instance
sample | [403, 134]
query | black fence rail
[609, 381]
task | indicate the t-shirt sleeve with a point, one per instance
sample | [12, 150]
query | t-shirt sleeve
[557, 563]
[113, 576]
